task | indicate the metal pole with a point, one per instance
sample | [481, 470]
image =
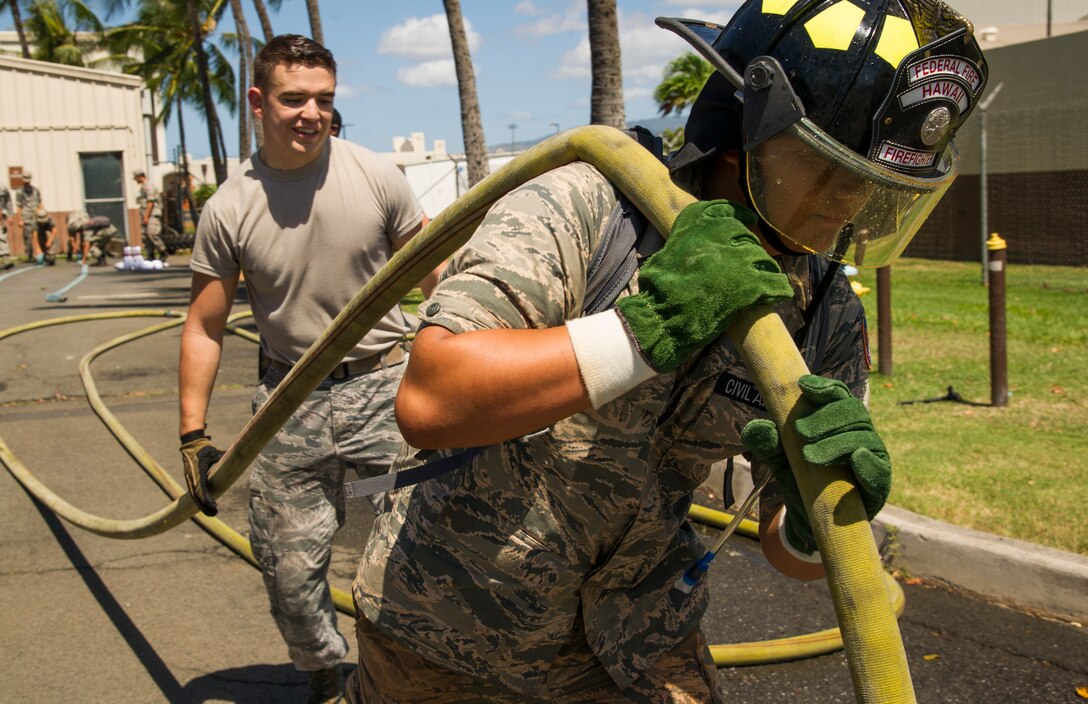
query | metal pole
[884, 319]
[983, 209]
[1049, 15]
[512, 127]
[999, 367]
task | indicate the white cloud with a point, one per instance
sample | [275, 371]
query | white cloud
[637, 93]
[343, 90]
[522, 115]
[573, 19]
[424, 38]
[716, 16]
[428, 74]
[645, 48]
[526, 7]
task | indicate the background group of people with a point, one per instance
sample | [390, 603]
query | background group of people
[88, 236]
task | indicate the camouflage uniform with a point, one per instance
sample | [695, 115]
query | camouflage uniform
[28, 200]
[296, 499]
[570, 538]
[5, 213]
[152, 230]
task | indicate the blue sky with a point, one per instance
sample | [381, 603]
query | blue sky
[531, 59]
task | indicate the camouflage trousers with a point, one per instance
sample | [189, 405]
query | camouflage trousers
[30, 230]
[5, 250]
[390, 673]
[296, 500]
[152, 238]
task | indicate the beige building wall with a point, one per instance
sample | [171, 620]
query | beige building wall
[50, 114]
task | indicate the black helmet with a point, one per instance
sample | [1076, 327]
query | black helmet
[875, 87]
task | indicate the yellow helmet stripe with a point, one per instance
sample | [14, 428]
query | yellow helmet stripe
[778, 7]
[836, 26]
[897, 39]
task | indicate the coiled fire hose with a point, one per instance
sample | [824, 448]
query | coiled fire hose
[863, 605]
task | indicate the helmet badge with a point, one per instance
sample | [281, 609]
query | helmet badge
[936, 126]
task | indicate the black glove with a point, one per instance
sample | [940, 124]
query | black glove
[198, 456]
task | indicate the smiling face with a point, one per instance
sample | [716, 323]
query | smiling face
[295, 109]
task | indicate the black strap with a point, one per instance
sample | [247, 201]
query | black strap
[407, 477]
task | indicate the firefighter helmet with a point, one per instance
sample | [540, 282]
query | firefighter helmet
[845, 110]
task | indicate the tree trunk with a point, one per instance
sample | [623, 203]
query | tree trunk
[606, 101]
[471, 125]
[17, 20]
[210, 114]
[186, 191]
[266, 24]
[245, 68]
[315, 22]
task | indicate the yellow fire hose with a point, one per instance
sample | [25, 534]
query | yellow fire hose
[863, 606]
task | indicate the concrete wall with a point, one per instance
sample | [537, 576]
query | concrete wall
[1037, 161]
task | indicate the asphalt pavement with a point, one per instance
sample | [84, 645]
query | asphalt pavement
[179, 618]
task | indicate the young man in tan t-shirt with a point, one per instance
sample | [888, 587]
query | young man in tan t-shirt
[309, 220]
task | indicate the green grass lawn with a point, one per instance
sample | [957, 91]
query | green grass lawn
[1019, 471]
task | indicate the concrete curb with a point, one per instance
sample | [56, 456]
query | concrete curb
[1013, 571]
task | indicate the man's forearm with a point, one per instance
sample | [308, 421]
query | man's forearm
[483, 387]
[197, 369]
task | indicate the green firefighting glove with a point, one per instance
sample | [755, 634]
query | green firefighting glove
[837, 431]
[198, 456]
[711, 267]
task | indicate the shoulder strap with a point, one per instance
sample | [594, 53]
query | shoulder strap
[627, 236]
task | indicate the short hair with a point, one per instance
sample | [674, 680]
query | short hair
[290, 50]
[337, 121]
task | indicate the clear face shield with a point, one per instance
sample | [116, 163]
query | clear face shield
[826, 199]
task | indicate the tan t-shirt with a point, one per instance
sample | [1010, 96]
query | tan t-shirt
[307, 240]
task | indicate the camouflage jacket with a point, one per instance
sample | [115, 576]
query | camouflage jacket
[28, 202]
[486, 569]
[5, 202]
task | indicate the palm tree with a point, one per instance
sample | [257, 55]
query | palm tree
[54, 28]
[262, 15]
[472, 128]
[606, 99]
[215, 137]
[315, 22]
[163, 37]
[17, 20]
[684, 77]
[245, 70]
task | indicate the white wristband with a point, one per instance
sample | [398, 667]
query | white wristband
[814, 558]
[608, 358]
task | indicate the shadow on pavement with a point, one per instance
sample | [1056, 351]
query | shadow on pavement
[253, 684]
[144, 651]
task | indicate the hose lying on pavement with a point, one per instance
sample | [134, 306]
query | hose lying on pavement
[731, 655]
[855, 575]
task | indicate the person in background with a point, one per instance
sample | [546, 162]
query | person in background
[27, 200]
[337, 123]
[5, 217]
[149, 203]
[46, 233]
